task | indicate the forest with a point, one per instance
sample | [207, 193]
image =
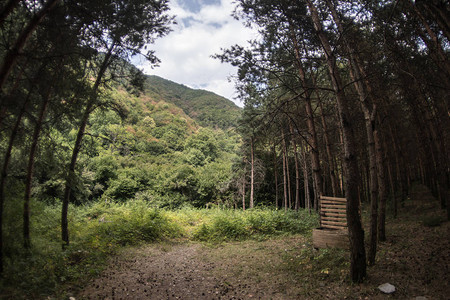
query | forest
[343, 98]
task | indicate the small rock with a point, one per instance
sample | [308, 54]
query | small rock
[387, 288]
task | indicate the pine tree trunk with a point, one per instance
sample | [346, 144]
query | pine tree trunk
[252, 172]
[297, 172]
[243, 190]
[382, 188]
[373, 187]
[288, 176]
[275, 175]
[363, 89]
[356, 232]
[331, 165]
[30, 168]
[284, 175]
[305, 179]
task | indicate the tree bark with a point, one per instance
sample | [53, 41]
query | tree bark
[382, 188]
[284, 174]
[356, 232]
[252, 172]
[288, 175]
[30, 169]
[275, 175]
[330, 160]
[305, 179]
[363, 88]
[243, 190]
[297, 172]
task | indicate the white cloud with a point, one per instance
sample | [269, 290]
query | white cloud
[186, 52]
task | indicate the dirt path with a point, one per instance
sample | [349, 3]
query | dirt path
[192, 271]
[415, 258]
[152, 272]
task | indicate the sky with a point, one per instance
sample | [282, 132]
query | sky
[203, 28]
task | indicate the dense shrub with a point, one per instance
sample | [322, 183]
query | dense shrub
[127, 224]
[222, 225]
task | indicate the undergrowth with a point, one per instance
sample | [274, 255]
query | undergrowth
[226, 225]
[99, 230]
[316, 267]
[96, 232]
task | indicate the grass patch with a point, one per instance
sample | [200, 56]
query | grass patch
[234, 225]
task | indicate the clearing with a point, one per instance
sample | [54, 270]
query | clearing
[415, 259]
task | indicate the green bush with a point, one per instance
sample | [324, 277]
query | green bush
[127, 224]
[222, 225]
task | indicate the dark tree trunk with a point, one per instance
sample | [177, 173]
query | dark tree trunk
[275, 171]
[30, 168]
[288, 175]
[330, 160]
[356, 232]
[297, 172]
[382, 188]
[252, 172]
[243, 190]
[305, 179]
[284, 174]
[363, 89]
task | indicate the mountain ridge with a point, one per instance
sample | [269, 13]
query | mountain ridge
[205, 107]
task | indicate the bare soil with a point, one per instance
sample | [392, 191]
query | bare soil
[415, 259]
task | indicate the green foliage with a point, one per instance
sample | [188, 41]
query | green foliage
[223, 225]
[97, 231]
[127, 224]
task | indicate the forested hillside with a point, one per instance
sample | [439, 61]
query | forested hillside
[205, 107]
